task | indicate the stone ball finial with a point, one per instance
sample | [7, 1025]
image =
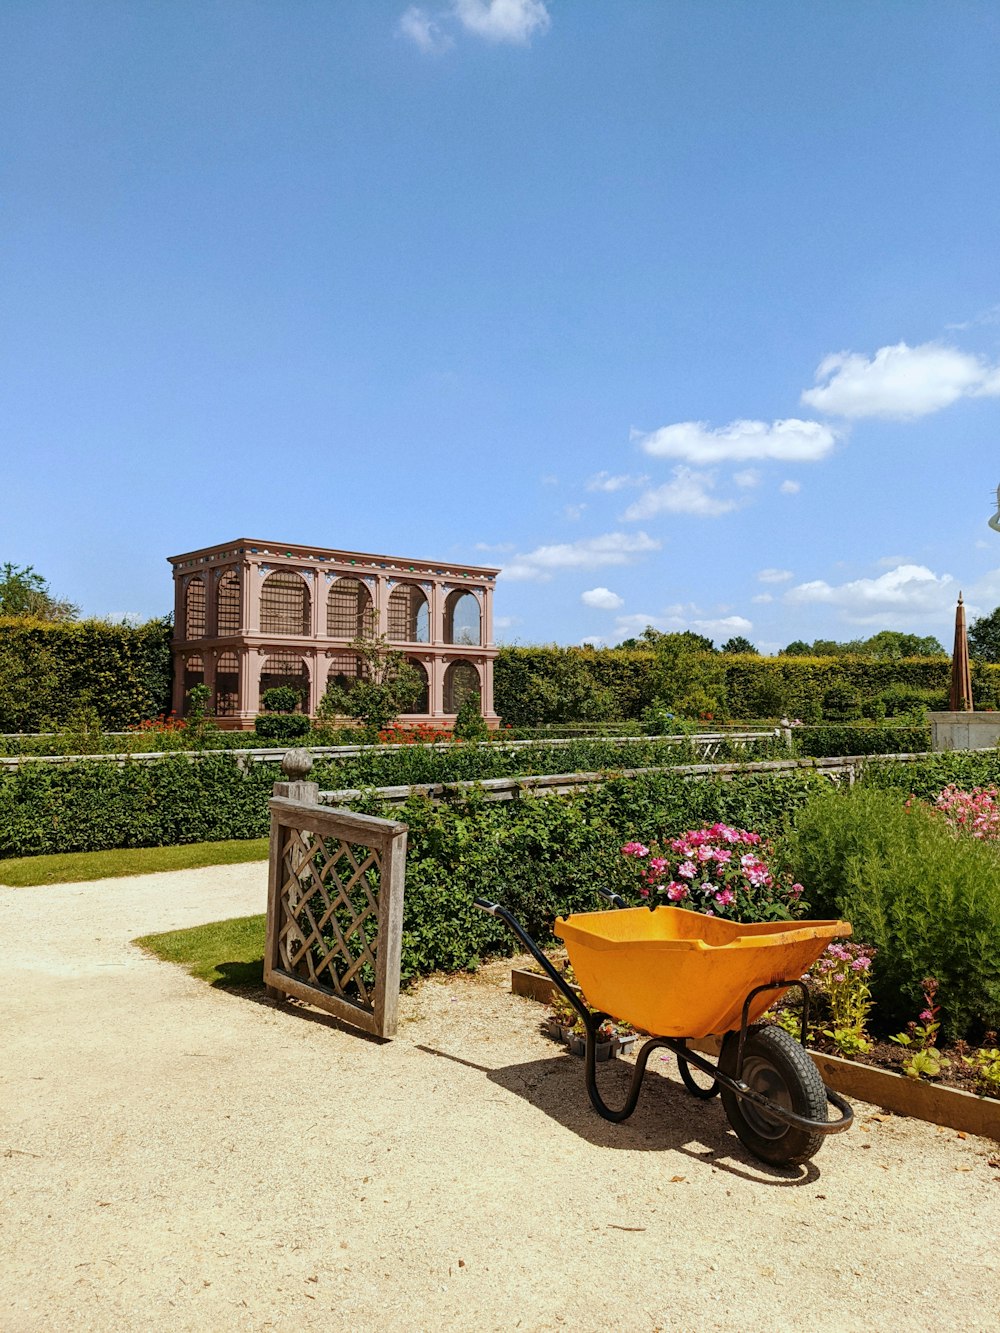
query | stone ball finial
[296, 765]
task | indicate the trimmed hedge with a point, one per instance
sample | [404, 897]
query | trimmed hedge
[543, 856]
[94, 805]
[48, 670]
[535, 686]
[829, 741]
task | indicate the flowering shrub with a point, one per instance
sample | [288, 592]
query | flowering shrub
[720, 871]
[840, 978]
[921, 1038]
[421, 733]
[976, 811]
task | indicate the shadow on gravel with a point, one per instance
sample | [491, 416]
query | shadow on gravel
[666, 1119]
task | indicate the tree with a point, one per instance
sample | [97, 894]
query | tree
[386, 687]
[984, 637]
[737, 644]
[25, 594]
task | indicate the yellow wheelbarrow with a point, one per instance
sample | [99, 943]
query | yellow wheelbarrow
[684, 976]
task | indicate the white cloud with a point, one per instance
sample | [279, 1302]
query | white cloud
[612, 548]
[602, 599]
[790, 441]
[891, 598]
[774, 575]
[494, 546]
[506, 622]
[688, 493]
[503, 20]
[424, 31]
[790, 487]
[573, 512]
[900, 382]
[763, 597]
[677, 618]
[604, 481]
[747, 479]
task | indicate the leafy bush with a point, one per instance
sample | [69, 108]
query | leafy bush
[281, 699]
[281, 726]
[50, 669]
[926, 898]
[470, 725]
[829, 741]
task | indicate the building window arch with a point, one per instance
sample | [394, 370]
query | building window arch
[422, 703]
[285, 606]
[409, 619]
[227, 685]
[350, 611]
[194, 608]
[227, 604]
[194, 674]
[460, 680]
[286, 669]
[344, 670]
[463, 618]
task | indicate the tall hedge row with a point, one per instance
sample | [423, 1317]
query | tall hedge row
[47, 670]
[533, 686]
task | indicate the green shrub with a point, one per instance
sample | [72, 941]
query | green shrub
[829, 741]
[928, 900]
[281, 726]
[50, 669]
[470, 725]
[281, 699]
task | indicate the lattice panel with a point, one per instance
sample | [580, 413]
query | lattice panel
[328, 934]
[335, 908]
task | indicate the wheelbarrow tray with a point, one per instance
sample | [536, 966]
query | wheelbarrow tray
[677, 973]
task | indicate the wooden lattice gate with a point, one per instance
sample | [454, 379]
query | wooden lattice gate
[334, 908]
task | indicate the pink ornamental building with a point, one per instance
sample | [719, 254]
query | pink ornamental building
[249, 615]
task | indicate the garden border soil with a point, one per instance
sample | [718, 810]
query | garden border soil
[933, 1102]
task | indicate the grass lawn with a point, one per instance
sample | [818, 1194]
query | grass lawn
[74, 867]
[223, 953]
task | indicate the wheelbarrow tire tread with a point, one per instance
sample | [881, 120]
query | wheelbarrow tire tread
[773, 1057]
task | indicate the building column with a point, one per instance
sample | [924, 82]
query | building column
[487, 634]
[435, 612]
[251, 597]
[486, 677]
[381, 595]
[435, 690]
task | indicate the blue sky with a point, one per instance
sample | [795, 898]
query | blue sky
[683, 313]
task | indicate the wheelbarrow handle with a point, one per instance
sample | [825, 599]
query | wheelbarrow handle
[615, 899]
[553, 973]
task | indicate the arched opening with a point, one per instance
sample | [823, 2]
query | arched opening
[284, 604]
[194, 674]
[344, 670]
[409, 621]
[460, 680]
[350, 611]
[422, 704]
[462, 619]
[194, 609]
[227, 604]
[227, 685]
[286, 669]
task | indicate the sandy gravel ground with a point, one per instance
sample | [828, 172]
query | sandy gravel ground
[176, 1157]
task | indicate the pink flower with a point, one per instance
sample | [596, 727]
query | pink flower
[688, 869]
[926, 1017]
[725, 897]
[676, 892]
[658, 864]
[643, 893]
[635, 849]
[722, 855]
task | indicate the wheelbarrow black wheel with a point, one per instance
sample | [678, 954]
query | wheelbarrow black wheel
[705, 1091]
[776, 1067]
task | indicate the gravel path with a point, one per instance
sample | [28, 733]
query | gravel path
[179, 1157]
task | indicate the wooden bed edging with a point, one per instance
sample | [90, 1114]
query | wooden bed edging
[933, 1102]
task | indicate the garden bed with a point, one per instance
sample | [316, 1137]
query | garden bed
[877, 1078]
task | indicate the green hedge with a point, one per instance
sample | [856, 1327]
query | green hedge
[543, 856]
[48, 670]
[830, 740]
[536, 686]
